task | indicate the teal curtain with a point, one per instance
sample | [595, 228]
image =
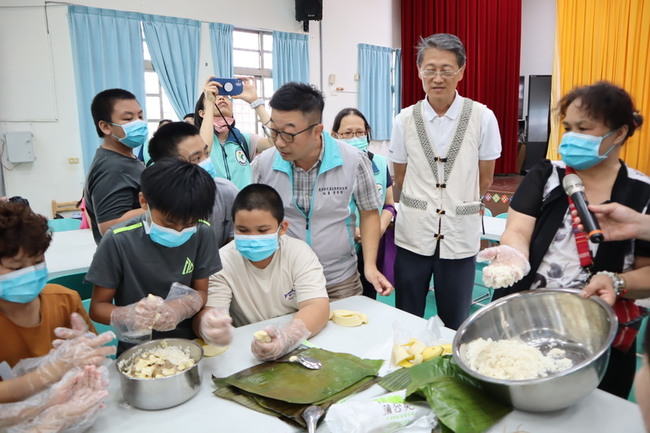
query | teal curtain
[290, 58]
[221, 38]
[107, 53]
[174, 47]
[375, 97]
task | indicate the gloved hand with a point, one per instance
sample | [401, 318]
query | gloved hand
[283, 340]
[215, 327]
[78, 328]
[174, 311]
[135, 321]
[72, 403]
[507, 265]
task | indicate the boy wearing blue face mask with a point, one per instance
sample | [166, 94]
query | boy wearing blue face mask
[266, 274]
[113, 182]
[137, 261]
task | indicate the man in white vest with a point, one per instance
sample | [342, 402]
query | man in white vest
[317, 176]
[443, 150]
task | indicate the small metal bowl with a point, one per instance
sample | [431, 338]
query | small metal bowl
[583, 328]
[165, 392]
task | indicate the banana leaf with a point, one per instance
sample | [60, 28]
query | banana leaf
[294, 383]
[457, 399]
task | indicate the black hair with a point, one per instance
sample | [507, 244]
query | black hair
[258, 196]
[164, 121]
[351, 112]
[165, 140]
[102, 105]
[182, 191]
[605, 102]
[188, 115]
[299, 97]
[22, 229]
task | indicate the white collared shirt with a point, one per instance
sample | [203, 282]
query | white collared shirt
[440, 129]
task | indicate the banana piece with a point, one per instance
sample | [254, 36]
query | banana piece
[432, 352]
[447, 348]
[414, 352]
[210, 350]
[348, 318]
[262, 336]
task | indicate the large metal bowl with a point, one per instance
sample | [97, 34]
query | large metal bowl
[584, 328]
[162, 393]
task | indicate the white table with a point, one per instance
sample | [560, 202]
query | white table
[598, 412]
[494, 228]
[70, 252]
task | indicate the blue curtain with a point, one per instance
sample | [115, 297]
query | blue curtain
[174, 47]
[290, 58]
[107, 53]
[375, 98]
[221, 37]
[397, 80]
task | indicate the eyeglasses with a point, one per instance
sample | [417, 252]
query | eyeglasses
[430, 73]
[287, 137]
[350, 134]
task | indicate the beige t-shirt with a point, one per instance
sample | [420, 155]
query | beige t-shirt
[294, 275]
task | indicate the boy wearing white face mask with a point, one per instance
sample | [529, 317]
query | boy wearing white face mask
[266, 274]
[137, 261]
[113, 182]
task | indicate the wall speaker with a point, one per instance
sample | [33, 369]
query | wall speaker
[309, 10]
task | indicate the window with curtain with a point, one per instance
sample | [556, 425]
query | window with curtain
[290, 58]
[158, 105]
[221, 40]
[375, 88]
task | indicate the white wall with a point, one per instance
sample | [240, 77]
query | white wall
[49, 88]
[537, 40]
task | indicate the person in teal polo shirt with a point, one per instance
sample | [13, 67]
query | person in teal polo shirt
[231, 150]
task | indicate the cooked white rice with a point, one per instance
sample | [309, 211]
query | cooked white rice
[513, 359]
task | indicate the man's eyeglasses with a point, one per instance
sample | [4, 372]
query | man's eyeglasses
[350, 134]
[287, 137]
[430, 73]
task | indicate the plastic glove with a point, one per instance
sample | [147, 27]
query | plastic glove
[135, 321]
[78, 328]
[72, 403]
[283, 340]
[215, 327]
[181, 303]
[507, 265]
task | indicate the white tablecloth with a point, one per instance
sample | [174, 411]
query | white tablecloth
[598, 412]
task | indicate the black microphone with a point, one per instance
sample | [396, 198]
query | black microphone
[576, 190]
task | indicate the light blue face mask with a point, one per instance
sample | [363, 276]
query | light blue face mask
[257, 247]
[360, 143]
[24, 285]
[136, 133]
[580, 151]
[165, 236]
[208, 166]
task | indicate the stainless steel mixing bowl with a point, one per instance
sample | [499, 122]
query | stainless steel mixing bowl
[584, 328]
[162, 393]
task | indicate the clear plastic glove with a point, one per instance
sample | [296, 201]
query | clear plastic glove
[283, 340]
[181, 303]
[133, 323]
[78, 328]
[215, 327]
[507, 265]
[71, 404]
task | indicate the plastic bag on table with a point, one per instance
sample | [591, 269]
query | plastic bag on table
[384, 414]
[413, 347]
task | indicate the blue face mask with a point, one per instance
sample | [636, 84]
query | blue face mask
[257, 247]
[208, 166]
[136, 133]
[360, 143]
[580, 151]
[165, 236]
[24, 285]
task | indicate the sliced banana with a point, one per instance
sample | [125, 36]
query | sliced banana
[262, 336]
[209, 349]
[348, 318]
[414, 352]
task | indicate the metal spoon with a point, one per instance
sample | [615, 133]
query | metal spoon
[311, 415]
[305, 361]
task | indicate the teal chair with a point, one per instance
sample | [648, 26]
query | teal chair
[64, 224]
[76, 283]
[100, 327]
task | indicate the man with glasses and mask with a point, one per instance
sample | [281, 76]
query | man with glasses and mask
[113, 182]
[317, 177]
[443, 150]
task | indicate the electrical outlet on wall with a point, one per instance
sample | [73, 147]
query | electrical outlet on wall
[331, 79]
